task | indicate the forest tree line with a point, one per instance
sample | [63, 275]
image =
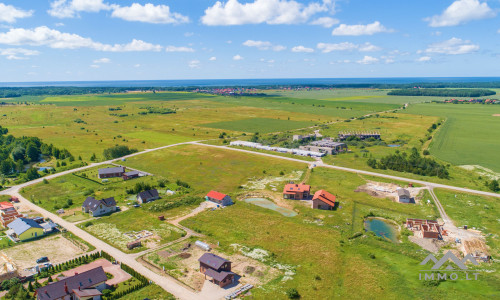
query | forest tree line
[443, 92]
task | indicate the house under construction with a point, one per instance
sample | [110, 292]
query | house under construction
[425, 228]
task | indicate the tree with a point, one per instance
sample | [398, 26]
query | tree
[93, 157]
[18, 153]
[494, 186]
[292, 293]
[32, 174]
[32, 153]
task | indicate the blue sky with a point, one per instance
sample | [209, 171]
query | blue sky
[61, 40]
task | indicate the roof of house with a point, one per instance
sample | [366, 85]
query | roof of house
[296, 188]
[212, 260]
[93, 204]
[219, 276]
[325, 197]
[80, 281]
[403, 192]
[216, 195]
[5, 205]
[111, 170]
[20, 225]
[148, 194]
[132, 173]
[87, 293]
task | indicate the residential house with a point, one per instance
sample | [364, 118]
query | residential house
[216, 268]
[404, 195]
[425, 228]
[8, 213]
[81, 286]
[323, 200]
[99, 207]
[296, 191]
[24, 229]
[130, 175]
[147, 196]
[219, 198]
[111, 172]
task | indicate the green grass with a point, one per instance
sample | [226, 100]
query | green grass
[151, 291]
[261, 125]
[468, 134]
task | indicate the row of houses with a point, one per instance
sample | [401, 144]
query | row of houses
[320, 200]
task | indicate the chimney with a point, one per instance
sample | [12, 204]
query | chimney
[66, 288]
[76, 273]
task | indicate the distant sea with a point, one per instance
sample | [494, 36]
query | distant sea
[249, 82]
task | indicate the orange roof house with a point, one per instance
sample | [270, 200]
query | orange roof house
[296, 191]
[8, 213]
[323, 200]
[219, 198]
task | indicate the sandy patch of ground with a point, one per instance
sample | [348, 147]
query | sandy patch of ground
[57, 248]
[496, 115]
[273, 182]
[431, 245]
[387, 190]
[482, 171]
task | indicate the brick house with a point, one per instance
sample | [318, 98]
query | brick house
[217, 268]
[296, 191]
[424, 228]
[323, 200]
[8, 213]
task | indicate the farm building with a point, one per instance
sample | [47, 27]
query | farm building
[8, 268]
[424, 228]
[8, 213]
[277, 149]
[147, 196]
[219, 198]
[217, 268]
[23, 229]
[85, 285]
[296, 191]
[111, 172]
[98, 207]
[360, 135]
[403, 195]
[130, 175]
[323, 200]
[326, 146]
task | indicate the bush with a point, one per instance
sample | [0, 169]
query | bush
[292, 293]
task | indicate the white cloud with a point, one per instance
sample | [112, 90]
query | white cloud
[213, 58]
[103, 60]
[424, 58]
[137, 65]
[188, 34]
[59, 24]
[354, 30]
[178, 49]
[10, 14]
[194, 64]
[452, 46]
[95, 66]
[237, 57]
[71, 8]
[368, 60]
[302, 49]
[18, 53]
[149, 13]
[460, 12]
[326, 22]
[233, 12]
[347, 46]
[44, 36]
[263, 45]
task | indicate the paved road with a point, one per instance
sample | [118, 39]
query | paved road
[321, 164]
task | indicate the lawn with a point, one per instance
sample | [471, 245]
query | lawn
[261, 125]
[468, 134]
[151, 291]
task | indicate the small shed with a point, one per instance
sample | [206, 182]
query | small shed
[403, 195]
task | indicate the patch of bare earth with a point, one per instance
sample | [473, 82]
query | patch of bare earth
[387, 190]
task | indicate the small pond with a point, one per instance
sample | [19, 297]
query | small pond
[41, 169]
[271, 205]
[382, 228]
[393, 145]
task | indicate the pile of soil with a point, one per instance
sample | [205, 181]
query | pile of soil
[249, 269]
[184, 255]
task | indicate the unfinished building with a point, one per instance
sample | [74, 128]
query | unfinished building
[430, 229]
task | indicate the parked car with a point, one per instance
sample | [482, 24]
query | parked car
[42, 259]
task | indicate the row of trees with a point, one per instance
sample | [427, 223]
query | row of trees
[413, 163]
[16, 152]
[443, 92]
[118, 151]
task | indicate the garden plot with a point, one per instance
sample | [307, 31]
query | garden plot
[182, 263]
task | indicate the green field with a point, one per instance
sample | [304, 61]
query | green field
[469, 135]
[260, 125]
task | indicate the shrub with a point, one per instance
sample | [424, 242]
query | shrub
[292, 293]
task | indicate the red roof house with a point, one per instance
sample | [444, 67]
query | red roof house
[296, 191]
[219, 198]
[323, 200]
